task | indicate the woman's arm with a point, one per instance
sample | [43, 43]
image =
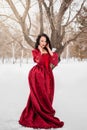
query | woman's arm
[53, 56]
[49, 50]
[36, 55]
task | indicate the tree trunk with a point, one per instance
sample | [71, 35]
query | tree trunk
[56, 41]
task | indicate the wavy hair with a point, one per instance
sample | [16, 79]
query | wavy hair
[47, 40]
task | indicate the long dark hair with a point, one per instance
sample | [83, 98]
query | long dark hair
[47, 40]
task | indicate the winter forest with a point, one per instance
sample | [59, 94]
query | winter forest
[65, 22]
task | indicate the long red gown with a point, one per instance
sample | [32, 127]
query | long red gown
[39, 112]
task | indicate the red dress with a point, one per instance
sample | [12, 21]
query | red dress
[39, 112]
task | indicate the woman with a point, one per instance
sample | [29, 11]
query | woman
[38, 112]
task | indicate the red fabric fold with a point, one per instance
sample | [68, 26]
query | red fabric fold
[39, 112]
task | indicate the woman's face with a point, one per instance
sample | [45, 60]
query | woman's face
[43, 42]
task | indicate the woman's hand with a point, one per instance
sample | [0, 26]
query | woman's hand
[47, 46]
[49, 50]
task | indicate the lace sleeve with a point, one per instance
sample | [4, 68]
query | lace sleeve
[54, 59]
[36, 55]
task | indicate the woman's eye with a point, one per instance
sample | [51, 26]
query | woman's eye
[43, 41]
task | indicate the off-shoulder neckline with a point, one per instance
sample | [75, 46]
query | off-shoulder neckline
[40, 52]
[44, 53]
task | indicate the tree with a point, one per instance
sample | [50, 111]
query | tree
[81, 41]
[55, 19]
[12, 45]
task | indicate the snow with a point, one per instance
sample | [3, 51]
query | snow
[70, 99]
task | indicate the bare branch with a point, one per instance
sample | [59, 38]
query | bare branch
[14, 9]
[64, 6]
[51, 8]
[22, 21]
[33, 4]
[68, 16]
[73, 39]
[49, 14]
[41, 16]
[26, 10]
[19, 42]
[8, 17]
[76, 14]
[28, 17]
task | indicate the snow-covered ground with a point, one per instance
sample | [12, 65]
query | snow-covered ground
[70, 100]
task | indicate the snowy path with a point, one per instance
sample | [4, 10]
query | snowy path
[70, 101]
